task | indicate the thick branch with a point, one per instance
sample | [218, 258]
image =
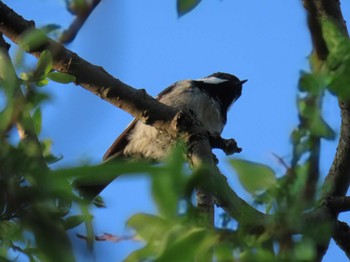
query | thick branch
[236, 207]
[342, 237]
[200, 154]
[93, 78]
[338, 204]
[338, 179]
[211, 180]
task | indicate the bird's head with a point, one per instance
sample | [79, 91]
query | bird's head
[224, 87]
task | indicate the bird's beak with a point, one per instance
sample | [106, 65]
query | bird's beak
[243, 81]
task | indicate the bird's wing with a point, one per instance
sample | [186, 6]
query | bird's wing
[117, 148]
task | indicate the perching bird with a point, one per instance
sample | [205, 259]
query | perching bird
[208, 98]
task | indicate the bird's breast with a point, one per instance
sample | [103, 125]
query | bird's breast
[147, 142]
[206, 109]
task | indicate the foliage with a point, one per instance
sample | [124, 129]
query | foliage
[254, 177]
[34, 203]
[185, 6]
[38, 205]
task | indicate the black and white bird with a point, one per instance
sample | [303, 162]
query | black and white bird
[208, 98]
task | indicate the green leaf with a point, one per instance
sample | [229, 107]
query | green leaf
[189, 244]
[164, 194]
[44, 65]
[305, 251]
[51, 159]
[257, 255]
[73, 221]
[169, 240]
[297, 134]
[36, 98]
[9, 81]
[223, 252]
[42, 226]
[98, 202]
[32, 39]
[62, 78]
[333, 35]
[167, 184]
[338, 60]
[148, 226]
[42, 82]
[6, 117]
[104, 173]
[313, 83]
[26, 76]
[141, 254]
[46, 146]
[307, 109]
[301, 148]
[254, 177]
[340, 84]
[298, 186]
[320, 128]
[185, 6]
[64, 206]
[37, 120]
[10, 230]
[88, 225]
[49, 28]
[46, 149]
[77, 6]
[314, 121]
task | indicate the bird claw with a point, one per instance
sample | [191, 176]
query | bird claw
[229, 146]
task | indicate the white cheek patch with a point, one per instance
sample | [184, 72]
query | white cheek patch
[212, 80]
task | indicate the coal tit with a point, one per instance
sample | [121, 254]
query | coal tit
[208, 98]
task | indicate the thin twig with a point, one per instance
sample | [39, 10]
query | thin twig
[281, 161]
[81, 16]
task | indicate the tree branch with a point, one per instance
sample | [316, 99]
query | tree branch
[200, 154]
[235, 206]
[342, 237]
[338, 204]
[338, 179]
[82, 14]
[95, 79]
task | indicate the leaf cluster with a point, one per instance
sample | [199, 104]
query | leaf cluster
[34, 203]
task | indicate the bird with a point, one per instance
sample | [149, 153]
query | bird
[208, 99]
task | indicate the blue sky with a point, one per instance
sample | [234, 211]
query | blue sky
[145, 44]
